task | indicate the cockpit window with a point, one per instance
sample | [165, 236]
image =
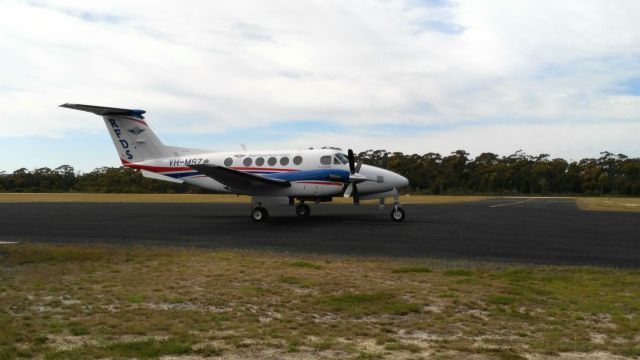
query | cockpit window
[343, 158]
[325, 160]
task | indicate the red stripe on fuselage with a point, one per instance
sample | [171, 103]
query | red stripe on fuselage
[155, 168]
[320, 183]
[260, 169]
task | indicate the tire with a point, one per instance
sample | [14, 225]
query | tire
[397, 215]
[303, 210]
[259, 214]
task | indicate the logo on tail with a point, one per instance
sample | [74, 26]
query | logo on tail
[136, 130]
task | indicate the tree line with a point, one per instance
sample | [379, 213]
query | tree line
[101, 180]
[431, 173]
[518, 173]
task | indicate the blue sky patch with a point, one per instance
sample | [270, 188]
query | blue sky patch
[444, 27]
[97, 17]
[628, 87]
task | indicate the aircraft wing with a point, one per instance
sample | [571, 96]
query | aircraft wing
[238, 180]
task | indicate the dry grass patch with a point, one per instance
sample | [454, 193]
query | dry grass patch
[77, 302]
[117, 198]
[203, 198]
[424, 199]
[609, 204]
[412, 269]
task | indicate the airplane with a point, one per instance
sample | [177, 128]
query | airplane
[270, 177]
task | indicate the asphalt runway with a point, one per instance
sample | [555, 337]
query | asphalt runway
[550, 231]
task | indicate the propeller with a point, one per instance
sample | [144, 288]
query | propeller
[351, 190]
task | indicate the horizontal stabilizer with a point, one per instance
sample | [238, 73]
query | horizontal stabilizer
[105, 111]
[152, 175]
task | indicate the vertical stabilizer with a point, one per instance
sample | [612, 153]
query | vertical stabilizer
[133, 138]
[131, 135]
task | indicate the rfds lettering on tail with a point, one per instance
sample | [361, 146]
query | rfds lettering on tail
[290, 177]
[123, 142]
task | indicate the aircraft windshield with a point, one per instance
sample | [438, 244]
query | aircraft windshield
[343, 158]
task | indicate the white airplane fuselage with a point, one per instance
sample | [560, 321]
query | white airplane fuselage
[307, 173]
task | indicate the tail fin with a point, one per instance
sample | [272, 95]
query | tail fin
[133, 138]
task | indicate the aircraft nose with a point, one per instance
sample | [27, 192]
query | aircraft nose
[402, 181]
[398, 181]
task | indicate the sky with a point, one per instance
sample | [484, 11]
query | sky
[416, 76]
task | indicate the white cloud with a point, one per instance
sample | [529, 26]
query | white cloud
[201, 66]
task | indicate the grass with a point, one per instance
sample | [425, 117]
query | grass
[425, 199]
[412, 269]
[608, 204]
[400, 346]
[369, 304]
[458, 272]
[203, 198]
[140, 349]
[500, 300]
[77, 302]
[304, 264]
[144, 198]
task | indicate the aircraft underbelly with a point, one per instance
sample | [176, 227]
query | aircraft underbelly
[207, 183]
[296, 189]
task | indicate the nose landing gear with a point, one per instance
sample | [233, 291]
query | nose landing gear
[397, 214]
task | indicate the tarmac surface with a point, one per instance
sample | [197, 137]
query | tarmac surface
[552, 231]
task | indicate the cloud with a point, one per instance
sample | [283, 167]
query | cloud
[215, 68]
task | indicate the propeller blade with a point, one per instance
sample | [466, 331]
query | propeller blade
[348, 190]
[358, 166]
[352, 189]
[356, 196]
[352, 167]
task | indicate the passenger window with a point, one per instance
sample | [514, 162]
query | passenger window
[284, 161]
[260, 161]
[272, 161]
[228, 162]
[247, 161]
[297, 160]
[325, 160]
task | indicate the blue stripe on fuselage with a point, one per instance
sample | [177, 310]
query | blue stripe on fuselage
[336, 175]
[181, 175]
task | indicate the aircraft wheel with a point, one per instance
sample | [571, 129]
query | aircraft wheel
[259, 214]
[397, 215]
[303, 210]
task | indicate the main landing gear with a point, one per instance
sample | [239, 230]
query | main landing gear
[303, 210]
[259, 214]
